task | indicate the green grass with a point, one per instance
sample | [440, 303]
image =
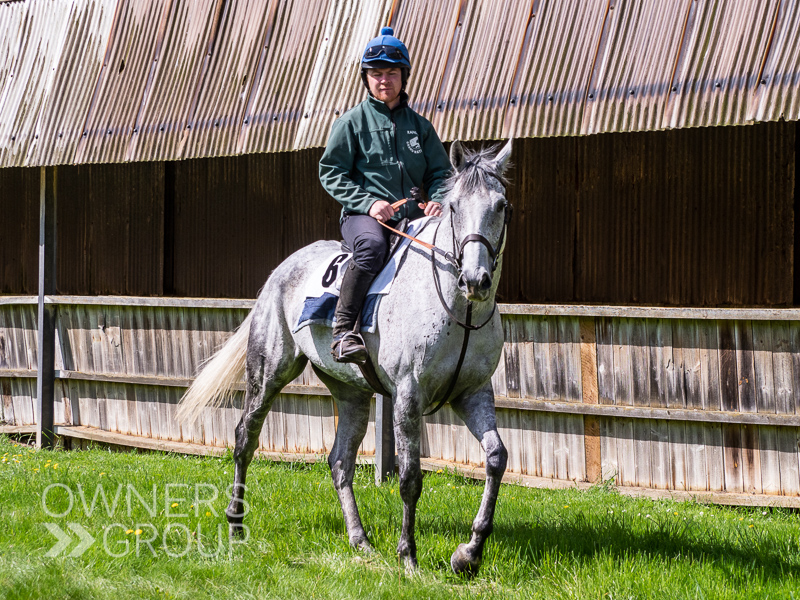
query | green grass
[546, 544]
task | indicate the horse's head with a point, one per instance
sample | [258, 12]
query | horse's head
[480, 212]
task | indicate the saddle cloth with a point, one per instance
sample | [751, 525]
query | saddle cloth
[322, 288]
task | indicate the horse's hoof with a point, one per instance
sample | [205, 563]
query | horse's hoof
[363, 545]
[235, 531]
[411, 565]
[461, 562]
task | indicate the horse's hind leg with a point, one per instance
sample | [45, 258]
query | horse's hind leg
[477, 411]
[353, 406]
[272, 362]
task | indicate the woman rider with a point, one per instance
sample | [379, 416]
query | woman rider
[376, 153]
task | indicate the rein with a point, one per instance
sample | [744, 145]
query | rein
[494, 253]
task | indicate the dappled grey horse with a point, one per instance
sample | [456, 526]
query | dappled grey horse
[416, 351]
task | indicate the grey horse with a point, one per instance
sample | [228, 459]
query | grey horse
[416, 351]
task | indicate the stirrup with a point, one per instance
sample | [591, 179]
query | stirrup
[350, 348]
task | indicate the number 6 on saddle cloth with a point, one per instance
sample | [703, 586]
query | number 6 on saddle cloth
[322, 289]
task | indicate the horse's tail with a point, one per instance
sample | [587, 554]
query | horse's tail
[214, 385]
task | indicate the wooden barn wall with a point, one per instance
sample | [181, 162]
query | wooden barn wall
[692, 217]
[684, 404]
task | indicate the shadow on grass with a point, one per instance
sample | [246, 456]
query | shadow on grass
[581, 537]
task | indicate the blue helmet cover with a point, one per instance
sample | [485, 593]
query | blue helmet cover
[382, 60]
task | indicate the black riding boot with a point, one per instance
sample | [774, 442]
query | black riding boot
[348, 345]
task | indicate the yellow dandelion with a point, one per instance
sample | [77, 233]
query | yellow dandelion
[750, 525]
[129, 531]
[676, 513]
[174, 504]
[103, 473]
[55, 466]
[741, 518]
[566, 506]
[440, 471]
[208, 513]
[36, 470]
[138, 532]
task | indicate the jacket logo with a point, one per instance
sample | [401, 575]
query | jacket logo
[413, 144]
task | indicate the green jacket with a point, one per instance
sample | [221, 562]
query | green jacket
[377, 154]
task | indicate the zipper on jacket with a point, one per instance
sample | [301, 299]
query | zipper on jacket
[400, 165]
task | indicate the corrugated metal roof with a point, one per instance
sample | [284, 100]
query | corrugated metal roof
[143, 80]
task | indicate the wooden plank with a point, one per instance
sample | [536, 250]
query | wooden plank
[721, 498]
[651, 312]
[589, 395]
[728, 377]
[732, 449]
[715, 459]
[788, 458]
[709, 364]
[640, 378]
[782, 368]
[570, 310]
[511, 360]
[770, 460]
[751, 460]
[659, 334]
[677, 455]
[605, 361]
[17, 429]
[754, 363]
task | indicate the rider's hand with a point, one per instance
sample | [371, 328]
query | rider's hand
[432, 209]
[381, 210]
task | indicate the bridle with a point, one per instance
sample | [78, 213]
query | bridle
[495, 252]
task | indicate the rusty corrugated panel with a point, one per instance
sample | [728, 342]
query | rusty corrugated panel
[121, 83]
[291, 41]
[125, 80]
[488, 36]
[723, 47]
[555, 63]
[427, 29]
[35, 47]
[334, 81]
[223, 90]
[60, 124]
[175, 70]
[778, 93]
[631, 74]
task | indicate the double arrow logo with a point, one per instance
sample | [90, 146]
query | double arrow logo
[64, 539]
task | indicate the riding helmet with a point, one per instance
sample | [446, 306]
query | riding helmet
[385, 51]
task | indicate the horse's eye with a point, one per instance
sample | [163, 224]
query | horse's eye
[501, 206]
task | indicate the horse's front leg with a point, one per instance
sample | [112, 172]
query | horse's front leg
[477, 411]
[407, 417]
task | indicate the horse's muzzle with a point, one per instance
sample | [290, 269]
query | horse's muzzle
[476, 285]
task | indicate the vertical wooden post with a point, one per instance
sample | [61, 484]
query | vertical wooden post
[45, 379]
[591, 423]
[384, 439]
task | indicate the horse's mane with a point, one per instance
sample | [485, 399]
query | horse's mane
[478, 171]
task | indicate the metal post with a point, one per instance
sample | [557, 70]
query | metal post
[45, 379]
[384, 439]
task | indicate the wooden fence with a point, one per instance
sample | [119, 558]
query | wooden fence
[667, 401]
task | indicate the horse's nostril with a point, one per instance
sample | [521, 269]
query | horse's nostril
[462, 283]
[486, 282]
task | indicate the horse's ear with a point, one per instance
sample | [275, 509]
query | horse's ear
[457, 155]
[501, 160]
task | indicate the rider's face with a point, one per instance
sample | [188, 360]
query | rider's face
[385, 84]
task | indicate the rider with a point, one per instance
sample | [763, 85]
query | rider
[376, 153]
